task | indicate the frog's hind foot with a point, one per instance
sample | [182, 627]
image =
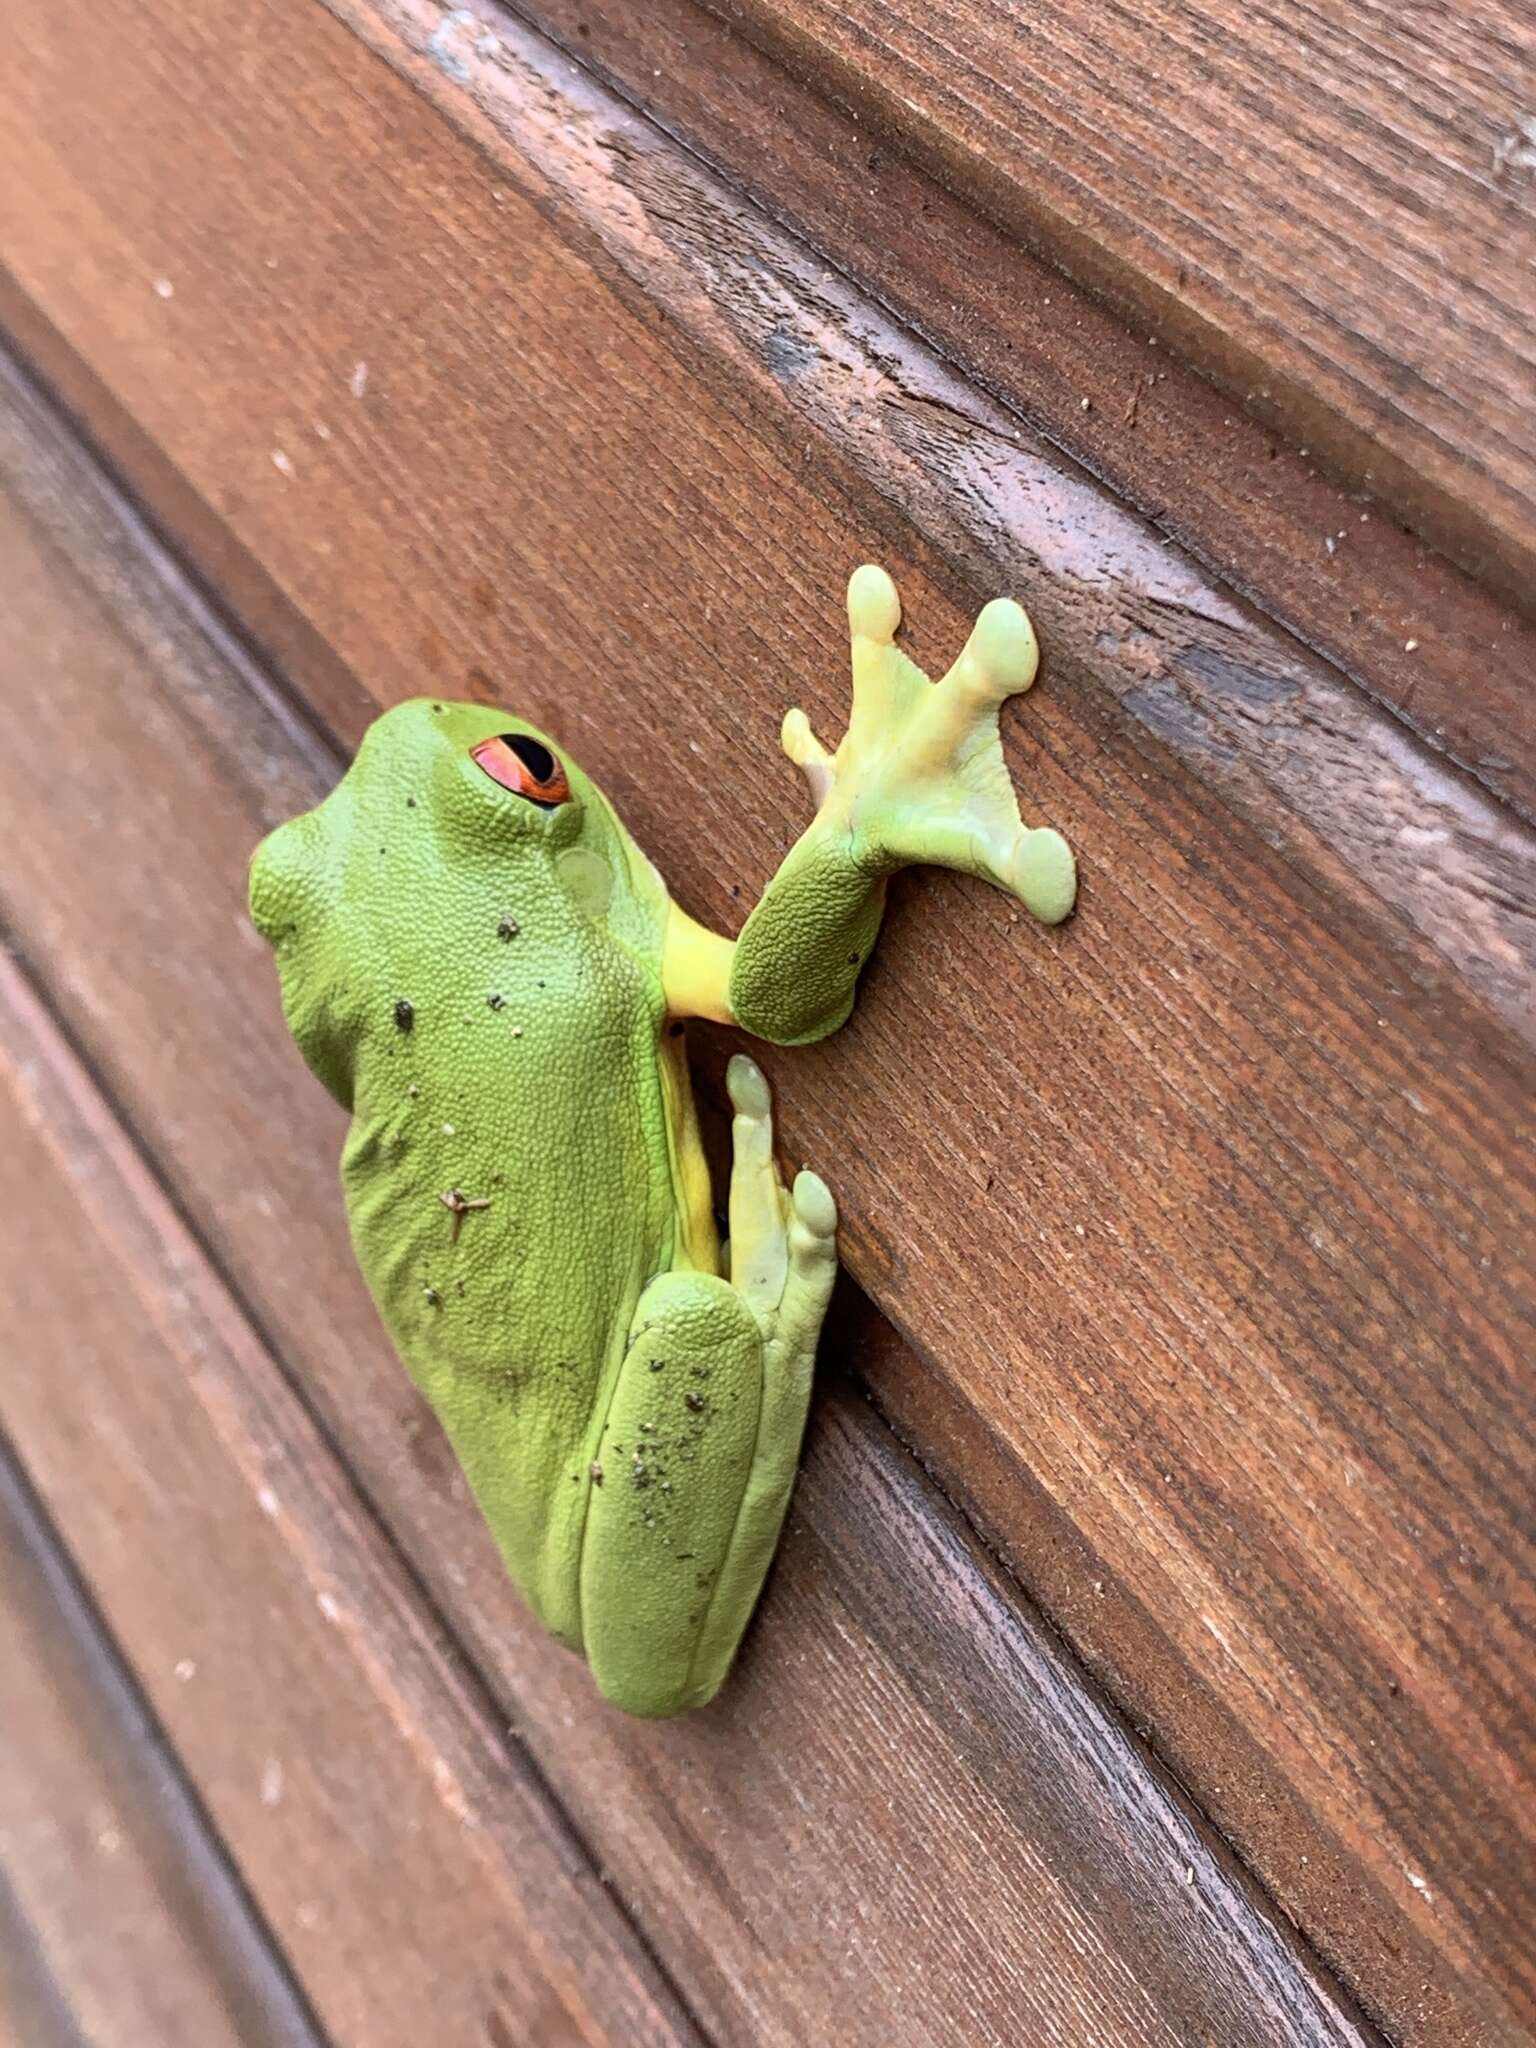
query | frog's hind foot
[920, 775]
[783, 1242]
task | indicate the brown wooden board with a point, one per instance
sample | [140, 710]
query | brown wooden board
[406, 1856]
[909, 1819]
[33, 2009]
[413, 1870]
[1255, 1436]
[1335, 567]
[120, 1905]
[1264, 728]
[1329, 206]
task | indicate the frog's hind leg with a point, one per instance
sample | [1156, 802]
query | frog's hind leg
[668, 1484]
[703, 1436]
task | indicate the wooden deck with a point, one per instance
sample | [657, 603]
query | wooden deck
[1149, 1658]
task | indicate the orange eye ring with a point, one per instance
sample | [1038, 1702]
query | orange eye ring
[525, 766]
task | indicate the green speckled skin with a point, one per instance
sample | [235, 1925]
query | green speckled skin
[490, 986]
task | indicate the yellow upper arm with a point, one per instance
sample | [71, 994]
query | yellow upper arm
[696, 969]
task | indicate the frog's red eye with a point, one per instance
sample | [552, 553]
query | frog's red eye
[525, 766]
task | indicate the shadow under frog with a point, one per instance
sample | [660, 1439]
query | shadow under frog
[482, 966]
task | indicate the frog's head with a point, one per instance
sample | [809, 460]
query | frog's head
[438, 794]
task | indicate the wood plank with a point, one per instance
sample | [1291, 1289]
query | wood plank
[33, 2010]
[312, 1693]
[1163, 650]
[113, 1879]
[399, 1846]
[1327, 207]
[908, 1821]
[1250, 998]
[1335, 570]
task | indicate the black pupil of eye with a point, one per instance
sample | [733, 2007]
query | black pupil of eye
[536, 758]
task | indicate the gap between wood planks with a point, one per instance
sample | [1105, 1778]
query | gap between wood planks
[1317, 2009]
[458, 1724]
[184, 1911]
[182, 593]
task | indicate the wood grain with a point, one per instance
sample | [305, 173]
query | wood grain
[33, 2009]
[1326, 206]
[404, 1854]
[1257, 1436]
[411, 1866]
[909, 1820]
[1335, 569]
[113, 1879]
[1267, 730]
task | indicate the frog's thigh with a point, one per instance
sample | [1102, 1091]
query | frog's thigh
[676, 1460]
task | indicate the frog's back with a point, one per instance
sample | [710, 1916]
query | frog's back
[488, 1003]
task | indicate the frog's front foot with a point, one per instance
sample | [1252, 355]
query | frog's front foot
[920, 775]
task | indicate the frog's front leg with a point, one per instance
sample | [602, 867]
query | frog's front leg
[919, 778]
[698, 1456]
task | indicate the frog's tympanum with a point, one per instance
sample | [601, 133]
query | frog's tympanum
[483, 967]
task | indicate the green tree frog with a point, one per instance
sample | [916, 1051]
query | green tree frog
[483, 967]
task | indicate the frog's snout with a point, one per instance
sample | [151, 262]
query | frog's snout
[276, 883]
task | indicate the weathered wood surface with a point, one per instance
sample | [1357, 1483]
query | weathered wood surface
[1253, 1395]
[1256, 1437]
[1329, 206]
[908, 1820]
[354, 1766]
[415, 1873]
[1333, 566]
[1271, 732]
[412, 1868]
[119, 1908]
[32, 2007]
